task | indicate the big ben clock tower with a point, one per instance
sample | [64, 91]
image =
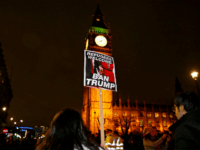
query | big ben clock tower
[98, 39]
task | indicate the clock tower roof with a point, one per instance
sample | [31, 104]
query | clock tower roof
[98, 19]
[98, 11]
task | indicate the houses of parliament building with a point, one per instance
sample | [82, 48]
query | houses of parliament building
[117, 115]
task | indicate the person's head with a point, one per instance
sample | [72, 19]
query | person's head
[108, 132]
[154, 132]
[184, 103]
[147, 132]
[66, 131]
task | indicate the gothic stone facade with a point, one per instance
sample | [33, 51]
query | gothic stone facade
[137, 116]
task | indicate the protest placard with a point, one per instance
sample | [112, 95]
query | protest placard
[99, 71]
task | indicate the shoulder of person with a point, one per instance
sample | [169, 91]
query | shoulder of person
[121, 140]
[183, 134]
[109, 138]
[186, 128]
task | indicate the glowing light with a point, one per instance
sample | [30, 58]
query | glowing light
[99, 30]
[25, 127]
[156, 114]
[171, 116]
[15, 122]
[164, 115]
[101, 41]
[164, 123]
[11, 118]
[21, 120]
[4, 108]
[149, 115]
[194, 75]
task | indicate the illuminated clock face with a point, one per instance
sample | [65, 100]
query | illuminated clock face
[87, 43]
[101, 41]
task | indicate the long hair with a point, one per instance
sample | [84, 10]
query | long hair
[66, 132]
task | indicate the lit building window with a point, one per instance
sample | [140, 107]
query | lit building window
[125, 114]
[115, 114]
[164, 123]
[132, 115]
[149, 123]
[171, 116]
[149, 115]
[98, 19]
[141, 123]
[164, 115]
[156, 114]
[2, 81]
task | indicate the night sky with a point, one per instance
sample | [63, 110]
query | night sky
[43, 41]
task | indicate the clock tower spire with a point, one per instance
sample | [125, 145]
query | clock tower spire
[98, 39]
[98, 19]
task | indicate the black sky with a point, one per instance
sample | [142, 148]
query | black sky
[43, 40]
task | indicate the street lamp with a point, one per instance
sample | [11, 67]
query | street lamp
[21, 121]
[15, 122]
[11, 119]
[195, 76]
[4, 108]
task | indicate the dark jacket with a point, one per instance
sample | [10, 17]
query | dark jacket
[91, 68]
[187, 131]
[27, 144]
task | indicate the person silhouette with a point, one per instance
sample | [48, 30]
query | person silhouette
[67, 132]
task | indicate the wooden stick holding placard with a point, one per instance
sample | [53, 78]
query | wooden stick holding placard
[101, 117]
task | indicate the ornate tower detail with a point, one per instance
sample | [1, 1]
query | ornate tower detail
[160, 106]
[152, 106]
[136, 103]
[145, 105]
[120, 101]
[128, 102]
[98, 39]
[153, 113]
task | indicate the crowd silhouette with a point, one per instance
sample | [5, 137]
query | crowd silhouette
[67, 132]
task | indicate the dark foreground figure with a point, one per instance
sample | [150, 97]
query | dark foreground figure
[28, 143]
[67, 132]
[187, 129]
